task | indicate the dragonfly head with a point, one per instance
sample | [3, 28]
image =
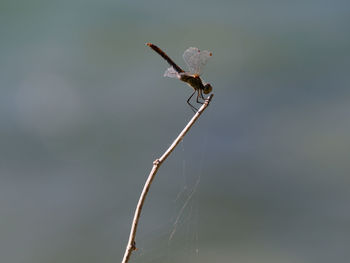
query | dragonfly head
[207, 88]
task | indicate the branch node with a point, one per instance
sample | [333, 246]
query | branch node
[156, 162]
[133, 245]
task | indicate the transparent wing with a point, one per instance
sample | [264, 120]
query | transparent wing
[171, 73]
[196, 59]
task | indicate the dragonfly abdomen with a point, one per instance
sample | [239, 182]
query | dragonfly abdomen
[165, 56]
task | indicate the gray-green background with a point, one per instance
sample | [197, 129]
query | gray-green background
[84, 110]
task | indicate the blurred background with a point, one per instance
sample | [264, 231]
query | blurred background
[85, 109]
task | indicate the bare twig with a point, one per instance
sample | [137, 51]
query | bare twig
[131, 246]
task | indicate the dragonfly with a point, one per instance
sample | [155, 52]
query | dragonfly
[195, 60]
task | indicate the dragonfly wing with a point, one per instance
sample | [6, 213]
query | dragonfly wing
[196, 59]
[171, 73]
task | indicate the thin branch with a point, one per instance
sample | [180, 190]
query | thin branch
[131, 246]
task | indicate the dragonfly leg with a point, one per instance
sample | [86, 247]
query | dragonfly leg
[193, 108]
[202, 95]
[199, 95]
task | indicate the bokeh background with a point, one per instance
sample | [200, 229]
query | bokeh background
[84, 110]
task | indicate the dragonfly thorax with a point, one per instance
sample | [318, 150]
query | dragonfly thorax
[192, 80]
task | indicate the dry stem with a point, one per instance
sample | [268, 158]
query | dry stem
[131, 246]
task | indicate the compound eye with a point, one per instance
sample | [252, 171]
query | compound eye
[207, 88]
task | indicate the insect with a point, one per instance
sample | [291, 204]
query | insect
[195, 60]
